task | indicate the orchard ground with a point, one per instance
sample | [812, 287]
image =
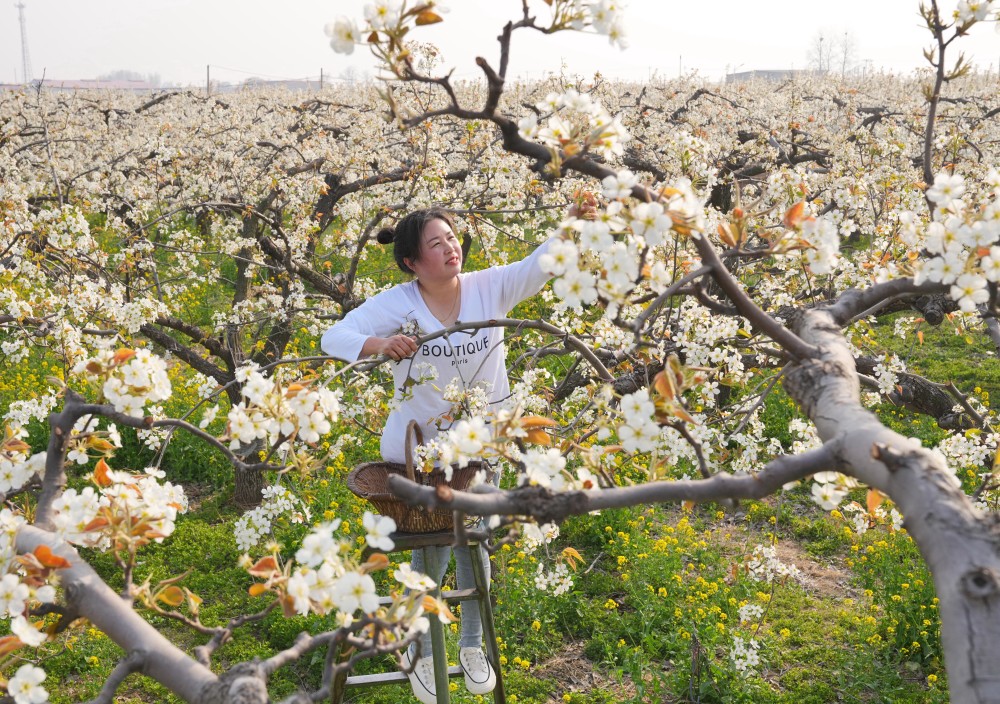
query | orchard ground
[657, 597]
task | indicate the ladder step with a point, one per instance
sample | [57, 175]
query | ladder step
[395, 677]
[452, 595]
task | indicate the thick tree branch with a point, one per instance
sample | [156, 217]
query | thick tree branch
[86, 592]
[546, 506]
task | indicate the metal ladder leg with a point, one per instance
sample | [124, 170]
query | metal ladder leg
[486, 616]
[437, 637]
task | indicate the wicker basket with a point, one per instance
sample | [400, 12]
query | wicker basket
[370, 481]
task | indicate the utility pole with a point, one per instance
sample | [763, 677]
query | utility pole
[27, 74]
[321, 78]
[208, 80]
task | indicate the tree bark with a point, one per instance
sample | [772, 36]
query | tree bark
[960, 544]
[248, 485]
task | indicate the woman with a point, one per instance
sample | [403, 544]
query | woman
[425, 245]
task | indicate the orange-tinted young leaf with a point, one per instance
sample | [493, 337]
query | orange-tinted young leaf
[264, 567]
[16, 445]
[428, 17]
[123, 355]
[288, 606]
[194, 601]
[572, 557]
[539, 437]
[687, 506]
[99, 444]
[94, 367]
[532, 422]
[171, 596]
[101, 477]
[439, 607]
[377, 561]
[795, 215]
[677, 369]
[920, 336]
[257, 589]
[8, 644]
[373, 38]
[293, 389]
[681, 225]
[874, 500]
[726, 234]
[679, 412]
[96, 524]
[49, 559]
[664, 386]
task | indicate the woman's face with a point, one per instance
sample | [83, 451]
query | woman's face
[440, 255]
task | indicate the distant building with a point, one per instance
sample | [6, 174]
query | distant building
[142, 86]
[769, 75]
[86, 84]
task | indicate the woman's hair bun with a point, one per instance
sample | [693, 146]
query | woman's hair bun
[386, 235]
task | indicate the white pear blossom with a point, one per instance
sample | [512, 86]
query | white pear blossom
[343, 35]
[379, 528]
[412, 579]
[969, 291]
[619, 185]
[26, 685]
[947, 189]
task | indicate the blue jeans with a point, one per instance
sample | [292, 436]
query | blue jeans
[472, 626]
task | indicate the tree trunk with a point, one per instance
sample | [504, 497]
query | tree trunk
[248, 487]
[960, 544]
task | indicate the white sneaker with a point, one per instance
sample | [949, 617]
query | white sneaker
[479, 676]
[421, 678]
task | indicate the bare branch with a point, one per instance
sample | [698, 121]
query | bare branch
[125, 667]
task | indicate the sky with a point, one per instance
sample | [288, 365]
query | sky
[240, 39]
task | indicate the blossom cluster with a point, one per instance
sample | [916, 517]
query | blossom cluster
[272, 411]
[639, 431]
[17, 465]
[603, 257]
[558, 579]
[887, 372]
[962, 246]
[129, 378]
[388, 20]
[575, 123]
[95, 518]
[765, 566]
[862, 519]
[277, 501]
[745, 654]
[326, 579]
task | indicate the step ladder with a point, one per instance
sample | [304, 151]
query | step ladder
[442, 673]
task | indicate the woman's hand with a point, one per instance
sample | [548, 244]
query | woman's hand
[396, 347]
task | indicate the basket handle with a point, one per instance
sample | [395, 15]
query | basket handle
[412, 432]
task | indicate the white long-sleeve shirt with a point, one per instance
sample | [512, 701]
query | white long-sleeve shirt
[470, 355]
